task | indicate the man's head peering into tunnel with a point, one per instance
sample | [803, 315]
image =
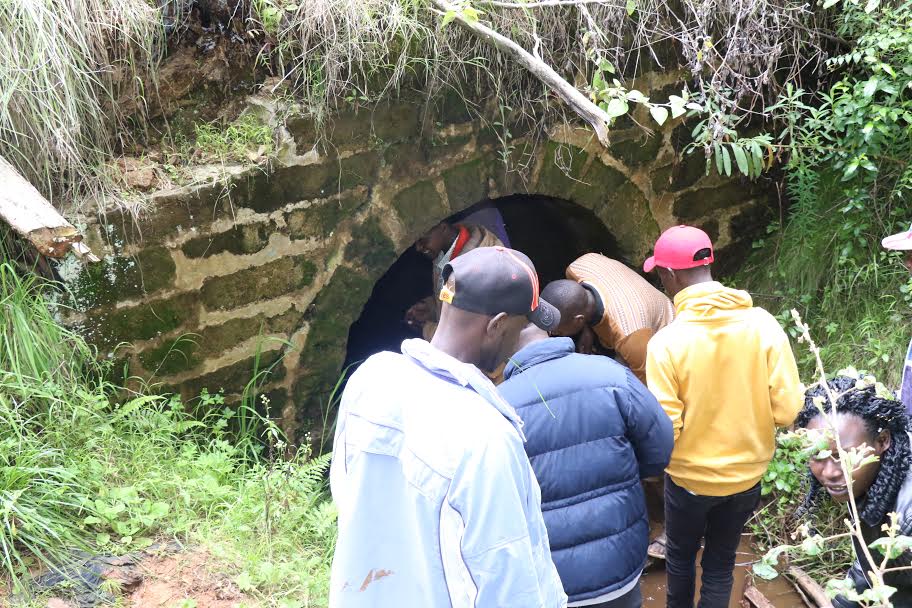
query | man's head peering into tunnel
[604, 301]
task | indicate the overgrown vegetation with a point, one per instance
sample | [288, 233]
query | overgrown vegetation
[775, 524]
[74, 74]
[62, 120]
[848, 179]
[84, 468]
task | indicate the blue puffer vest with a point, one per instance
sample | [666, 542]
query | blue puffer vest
[593, 430]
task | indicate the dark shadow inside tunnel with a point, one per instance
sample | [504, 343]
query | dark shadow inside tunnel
[552, 232]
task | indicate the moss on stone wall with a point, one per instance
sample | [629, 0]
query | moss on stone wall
[420, 205]
[259, 283]
[151, 319]
[328, 318]
[121, 278]
[189, 351]
[240, 240]
[321, 219]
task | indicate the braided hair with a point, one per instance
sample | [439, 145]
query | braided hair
[878, 414]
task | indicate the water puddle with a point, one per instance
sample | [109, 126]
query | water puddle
[779, 591]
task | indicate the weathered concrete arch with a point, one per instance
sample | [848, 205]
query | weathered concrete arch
[291, 252]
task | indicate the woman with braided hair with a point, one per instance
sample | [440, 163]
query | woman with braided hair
[865, 419]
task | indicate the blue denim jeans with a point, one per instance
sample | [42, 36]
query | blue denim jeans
[688, 519]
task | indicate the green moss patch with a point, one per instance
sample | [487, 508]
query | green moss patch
[420, 206]
[187, 352]
[121, 278]
[258, 283]
[107, 329]
[321, 219]
[466, 184]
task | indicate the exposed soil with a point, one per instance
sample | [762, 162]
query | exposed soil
[168, 580]
[173, 580]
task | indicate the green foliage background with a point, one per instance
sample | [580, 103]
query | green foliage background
[848, 179]
[87, 464]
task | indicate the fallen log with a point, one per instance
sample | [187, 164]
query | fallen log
[809, 587]
[35, 219]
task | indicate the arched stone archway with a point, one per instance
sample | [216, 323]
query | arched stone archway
[563, 172]
[552, 232]
[280, 260]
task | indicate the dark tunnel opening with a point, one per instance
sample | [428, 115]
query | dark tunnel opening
[552, 232]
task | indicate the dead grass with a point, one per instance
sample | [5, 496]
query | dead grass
[63, 63]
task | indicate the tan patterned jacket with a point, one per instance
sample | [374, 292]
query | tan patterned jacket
[634, 309]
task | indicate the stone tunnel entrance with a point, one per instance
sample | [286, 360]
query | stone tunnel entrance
[551, 231]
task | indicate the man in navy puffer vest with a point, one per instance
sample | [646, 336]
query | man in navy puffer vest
[593, 431]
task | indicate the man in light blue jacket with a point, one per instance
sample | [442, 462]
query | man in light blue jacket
[438, 506]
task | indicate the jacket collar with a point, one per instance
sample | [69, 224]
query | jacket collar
[539, 352]
[451, 369]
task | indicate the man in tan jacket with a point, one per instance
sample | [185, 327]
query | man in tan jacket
[442, 244]
[604, 299]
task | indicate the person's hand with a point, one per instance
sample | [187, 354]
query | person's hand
[419, 314]
[585, 341]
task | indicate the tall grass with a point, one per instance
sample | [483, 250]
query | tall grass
[80, 469]
[72, 73]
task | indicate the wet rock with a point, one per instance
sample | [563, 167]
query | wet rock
[321, 218]
[466, 184]
[189, 351]
[233, 379]
[639, 150]
[109, 327]
[120, 278]
[562, 169]
[371, 247]
[700, 203]
[241, 240]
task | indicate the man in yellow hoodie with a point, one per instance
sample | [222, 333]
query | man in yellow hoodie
[725, 374]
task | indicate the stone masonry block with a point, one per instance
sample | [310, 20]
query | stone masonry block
[419, 205]
[387, 121]
[240, 240]
[106, 329]
[639, 150]
[466, 184]
[561, 169]
[321, 219]
[320, 181]
[168, 214]
[232, 379]
[371, 247]
[700, 203]
[258, 283]
[187, 352]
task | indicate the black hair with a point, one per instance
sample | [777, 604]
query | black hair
[878, 414]
[569, 297]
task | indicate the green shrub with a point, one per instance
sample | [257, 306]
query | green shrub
[81, 469]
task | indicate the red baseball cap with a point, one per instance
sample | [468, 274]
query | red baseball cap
[681, 247]
[901, 241]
